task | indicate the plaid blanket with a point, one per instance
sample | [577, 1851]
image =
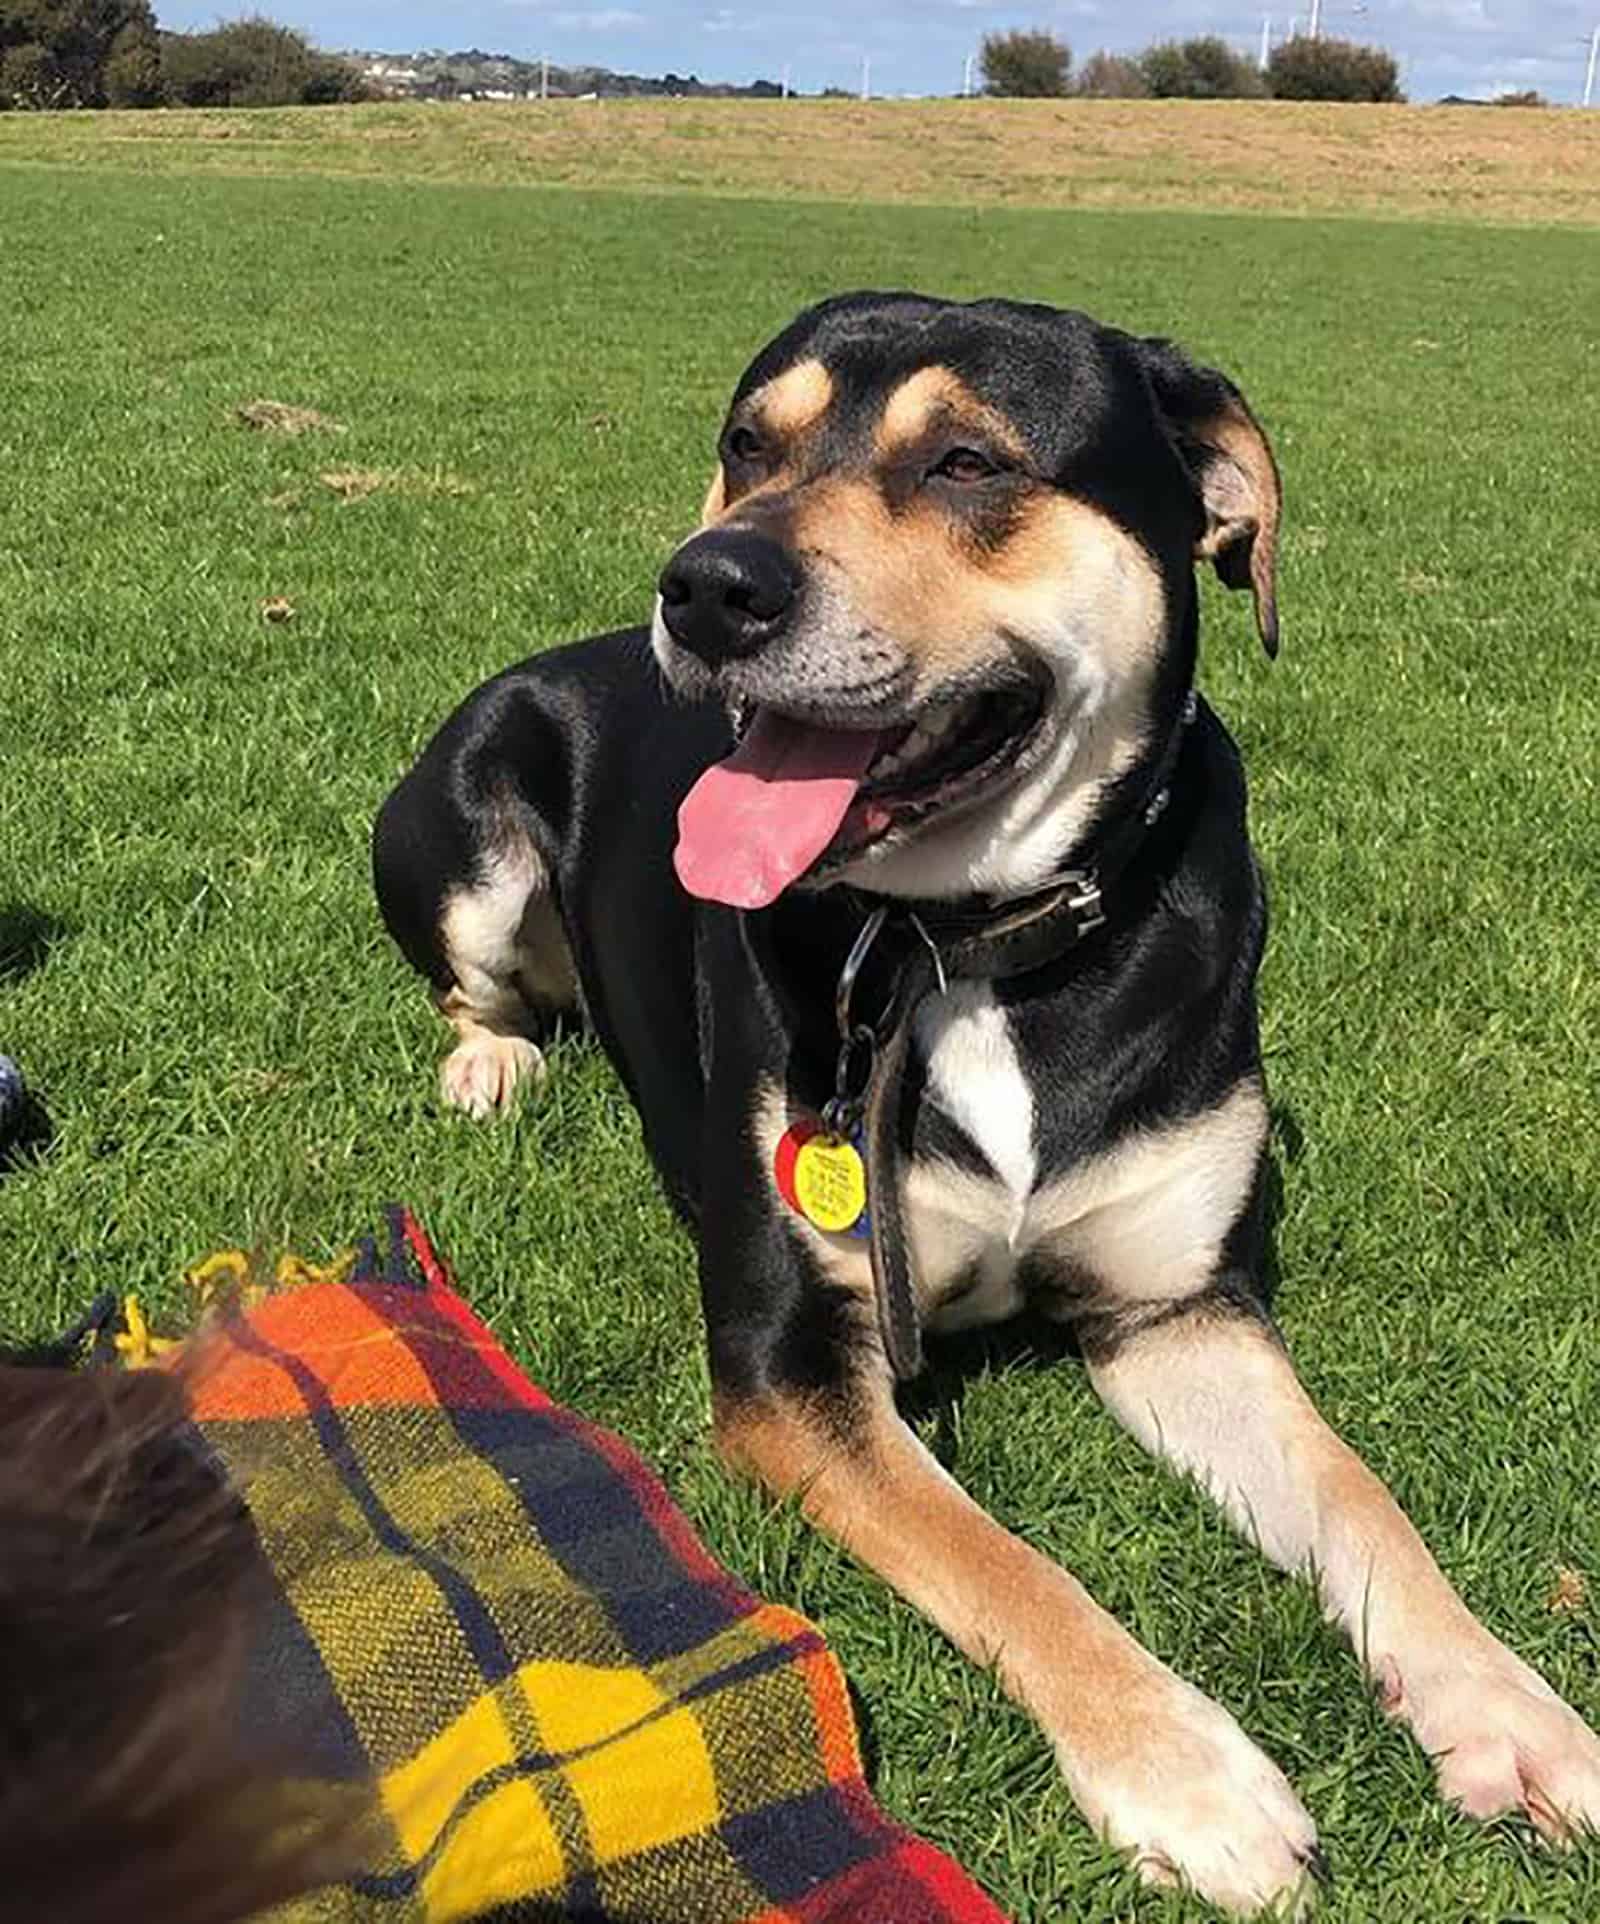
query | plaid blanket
[491, 1606]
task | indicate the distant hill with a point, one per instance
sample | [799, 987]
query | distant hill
[476, 75]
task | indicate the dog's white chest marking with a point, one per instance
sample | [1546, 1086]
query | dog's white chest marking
[969, 1229]
[1143, 1220]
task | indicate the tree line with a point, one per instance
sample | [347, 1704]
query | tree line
[110, 53]
[1033, 64]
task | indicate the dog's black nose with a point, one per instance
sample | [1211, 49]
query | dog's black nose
[727, 592]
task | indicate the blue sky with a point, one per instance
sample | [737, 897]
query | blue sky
[919, 46]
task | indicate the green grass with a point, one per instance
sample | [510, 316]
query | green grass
[230, 1052]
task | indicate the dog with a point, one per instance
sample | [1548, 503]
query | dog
[906, 881]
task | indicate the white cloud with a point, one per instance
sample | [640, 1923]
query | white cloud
[600, 20]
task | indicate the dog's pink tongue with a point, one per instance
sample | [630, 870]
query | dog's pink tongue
[756, 821]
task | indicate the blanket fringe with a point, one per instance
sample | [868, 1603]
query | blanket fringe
[227, 1275]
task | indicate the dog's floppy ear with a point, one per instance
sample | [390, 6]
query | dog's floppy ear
[1223, 445]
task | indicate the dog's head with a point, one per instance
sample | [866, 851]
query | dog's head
[944, 583]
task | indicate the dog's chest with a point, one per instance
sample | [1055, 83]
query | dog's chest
[975, 1172]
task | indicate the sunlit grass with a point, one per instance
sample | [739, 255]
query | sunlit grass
[229, 1050]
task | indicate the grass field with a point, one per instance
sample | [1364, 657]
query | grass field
[1269, 156]
[192, 971]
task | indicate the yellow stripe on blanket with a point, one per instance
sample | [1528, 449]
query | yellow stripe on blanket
[641, 1777]
[647, 1778]
[500, 1846]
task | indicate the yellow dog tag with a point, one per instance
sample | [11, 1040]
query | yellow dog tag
[830, 1183]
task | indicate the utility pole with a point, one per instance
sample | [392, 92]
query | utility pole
[1266, 40]
[1588, 78]
[866, 76]
[1316, 18]
[544, 76]
[966, 79]
[784, 94]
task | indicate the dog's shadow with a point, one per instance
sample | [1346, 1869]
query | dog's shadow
[27, 935]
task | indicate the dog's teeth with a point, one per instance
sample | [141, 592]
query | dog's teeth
[925, 737]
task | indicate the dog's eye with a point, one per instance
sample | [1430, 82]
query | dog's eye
[964, 465]
[742, 444]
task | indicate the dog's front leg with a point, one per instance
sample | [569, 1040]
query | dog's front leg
[1155, 1766]
[1215, 1393]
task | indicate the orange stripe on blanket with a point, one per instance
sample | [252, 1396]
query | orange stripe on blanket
[357, 1356]
[836, 1723]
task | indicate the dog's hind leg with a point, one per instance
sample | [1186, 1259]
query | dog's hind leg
[510, 974]
[469, 899]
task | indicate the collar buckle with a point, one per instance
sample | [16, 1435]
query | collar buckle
[1084, 901]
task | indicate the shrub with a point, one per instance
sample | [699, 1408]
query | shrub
[243, 63]
[1304, 69]
[1205, 68]
[1111, 76]
[1529, 97]
[54, 53]
[1025, 64]
[132, 75]
[253, 63]
[332, 82]
[28, 78]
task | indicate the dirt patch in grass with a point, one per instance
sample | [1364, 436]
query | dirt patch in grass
[280, 417]
[355, 484]
[1456, 163]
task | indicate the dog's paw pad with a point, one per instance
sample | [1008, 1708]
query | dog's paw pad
[482, 1076]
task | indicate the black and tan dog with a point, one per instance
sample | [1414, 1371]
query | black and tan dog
[950, 1005]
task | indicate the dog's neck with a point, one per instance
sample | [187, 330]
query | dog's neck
[1012, 847]
[1070, 895]
[930, 944]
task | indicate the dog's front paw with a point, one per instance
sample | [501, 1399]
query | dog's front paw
[1196, 1802]
[484, 1073]
[1500, 1737]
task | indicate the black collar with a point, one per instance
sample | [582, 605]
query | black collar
[991, 937]
[933, 944]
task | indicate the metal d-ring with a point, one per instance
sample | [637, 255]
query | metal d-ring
[933, 949]
[859, 951]
[857, 1064]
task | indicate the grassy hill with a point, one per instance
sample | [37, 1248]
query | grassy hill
[1459, 163]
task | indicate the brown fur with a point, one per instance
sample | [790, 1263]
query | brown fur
[1244, 504]
[938, 397]
[918, 578]
[716, 501]
[125, 1613]
[791, 403]
[1114, 1713]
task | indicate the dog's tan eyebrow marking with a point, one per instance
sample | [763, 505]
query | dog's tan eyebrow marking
[793, 400]
[716, 499]
[938, 391]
